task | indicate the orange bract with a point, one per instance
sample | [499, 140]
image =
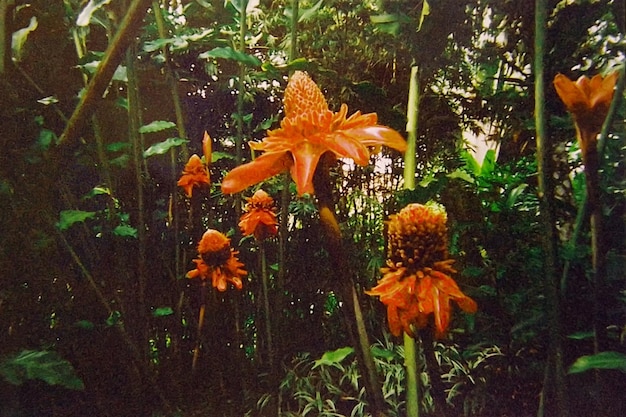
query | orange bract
[588, 100]
[217, 261]
[260, 218]
[194, 174]
[416, 280]
[309, 130]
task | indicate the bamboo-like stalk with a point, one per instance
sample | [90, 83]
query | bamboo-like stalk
[554, 384]
[410, 348]
[137, 146]
[129, 27]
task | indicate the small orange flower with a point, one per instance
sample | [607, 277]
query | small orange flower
[217, 261]
[195, 173]
[416, 280]
[260, 218]
[588, 100]
[309, 130]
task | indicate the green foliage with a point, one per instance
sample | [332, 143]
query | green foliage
[163, 147]
[44, 365]
[69, 217]
[157, 126]
[602, 360]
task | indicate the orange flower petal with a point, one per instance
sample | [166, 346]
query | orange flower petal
[262, 168]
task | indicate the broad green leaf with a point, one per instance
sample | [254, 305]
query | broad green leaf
[45, 365]
[68, 217]
[162, 311]
[229, 53]
[216, 156]
[19, 38]
[117, 146]
[157, 126]
[333, 357]
[120, 161]
[383, 353]
[125, 231]
[85, 15]
[162, 147]
[470, 162]
[602, 360]
[489, 163]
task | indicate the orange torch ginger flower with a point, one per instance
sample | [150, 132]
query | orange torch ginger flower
[217, 261]
[260, 218]
[588, 100]
[309, 130]
[416, 280]
[194, 174]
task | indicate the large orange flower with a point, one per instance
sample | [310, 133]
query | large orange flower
[217, 261]
[588, 100]
[194, 174]
[309, 130]
[260, 218]
[416, 281]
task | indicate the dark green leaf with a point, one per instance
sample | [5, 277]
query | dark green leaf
[113, 318]
[162, 147]
[85, 324]
[162, 311]
[125, 231]
[383, 353]
[216, 156]
[157, 126]
[229, 53]
[602, 360]
[68, 217]
[47, 366]
[581, 335]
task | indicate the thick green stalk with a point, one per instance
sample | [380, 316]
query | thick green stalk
[345, 280]
[554, 384]
[266, 305]
[410, 348]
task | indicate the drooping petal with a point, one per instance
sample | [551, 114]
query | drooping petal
[306, 155]
[346, 146]
[262, 168]
[378, 135]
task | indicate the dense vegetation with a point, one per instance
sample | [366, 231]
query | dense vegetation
[97, 316]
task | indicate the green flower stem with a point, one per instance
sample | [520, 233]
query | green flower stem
[410, 344]
[266, 305]
[346, 284]
[552, 398]
[412, 386]
[201, 313]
